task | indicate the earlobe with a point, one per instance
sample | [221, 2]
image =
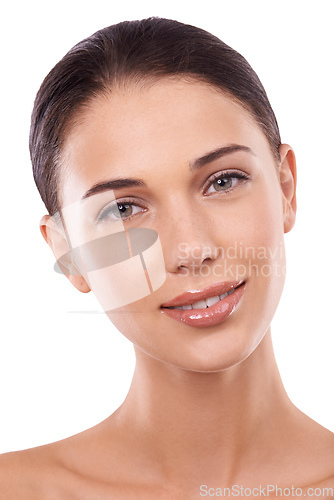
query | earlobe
[288, 181]
[54, 234]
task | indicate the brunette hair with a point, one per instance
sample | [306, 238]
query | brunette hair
[135, 51]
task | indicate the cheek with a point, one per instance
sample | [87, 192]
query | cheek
[262, 233]
[250, 231]
[262, 258]
[262, 211]
[123, 267]
[253, 250]
[266, 228]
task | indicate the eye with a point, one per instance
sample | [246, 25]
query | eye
[121, 210]
[224, 181]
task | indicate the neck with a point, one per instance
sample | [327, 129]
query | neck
[195, 421]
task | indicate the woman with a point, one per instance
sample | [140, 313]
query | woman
[159, 160]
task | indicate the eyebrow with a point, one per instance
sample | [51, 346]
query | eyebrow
[218, 153]
[193, 165]
[113, 184]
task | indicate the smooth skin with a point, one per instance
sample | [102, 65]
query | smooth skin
[206, 405]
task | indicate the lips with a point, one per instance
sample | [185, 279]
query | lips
[193, 296]
[211, 315]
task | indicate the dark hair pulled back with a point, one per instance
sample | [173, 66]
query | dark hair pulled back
[135, 51]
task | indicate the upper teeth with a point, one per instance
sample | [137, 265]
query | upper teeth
[202, 304]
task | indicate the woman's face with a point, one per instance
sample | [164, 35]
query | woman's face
[220, 217]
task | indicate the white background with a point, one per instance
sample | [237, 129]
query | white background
[62, 372]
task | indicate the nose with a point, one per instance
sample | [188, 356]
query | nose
[188, 241]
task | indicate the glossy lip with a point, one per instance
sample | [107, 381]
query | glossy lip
[192, 296]
[209, 316]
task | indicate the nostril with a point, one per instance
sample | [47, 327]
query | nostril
[183, 269]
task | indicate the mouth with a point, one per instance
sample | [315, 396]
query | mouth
[209, 307]
[196, 298]
[204, 303]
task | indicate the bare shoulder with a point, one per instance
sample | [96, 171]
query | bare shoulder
[317, 459]
[18, 475]
[69, 469]
[34, 474]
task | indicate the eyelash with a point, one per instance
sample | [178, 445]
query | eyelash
[230, 174]
[127, 202]
[237, 174]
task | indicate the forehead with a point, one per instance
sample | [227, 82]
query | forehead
[138, 130]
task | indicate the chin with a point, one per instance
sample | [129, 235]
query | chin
[208, 355]
[215, 360]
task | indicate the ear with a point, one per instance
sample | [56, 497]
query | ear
[288, 181]
[53, 232]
